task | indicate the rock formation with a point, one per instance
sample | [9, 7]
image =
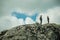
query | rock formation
[32, 32]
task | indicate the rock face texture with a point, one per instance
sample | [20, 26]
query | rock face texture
[32, 32]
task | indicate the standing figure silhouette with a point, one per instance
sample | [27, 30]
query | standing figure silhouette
[48, 19]
[41, 19]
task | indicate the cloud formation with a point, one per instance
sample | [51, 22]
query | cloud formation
[28, 7]
[8, 22]
[53, 13]
[29, 21]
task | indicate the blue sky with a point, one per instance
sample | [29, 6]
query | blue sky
[28, 8]
[24, 16]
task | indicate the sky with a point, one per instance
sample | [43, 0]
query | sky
[45, 8]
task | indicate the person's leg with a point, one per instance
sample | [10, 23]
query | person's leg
[48, 20]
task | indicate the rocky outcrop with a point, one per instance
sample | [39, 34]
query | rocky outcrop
[32, 32]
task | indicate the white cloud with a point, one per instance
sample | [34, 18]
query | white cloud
[28, 7]
[7, 22]
[21, 22]
[27, 12]
[53, 13]
[29, 21]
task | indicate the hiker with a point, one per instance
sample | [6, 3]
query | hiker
[41, 19]
[48, 19]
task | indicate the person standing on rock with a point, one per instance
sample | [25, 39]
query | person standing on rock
[41, 19]
[48, 19]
